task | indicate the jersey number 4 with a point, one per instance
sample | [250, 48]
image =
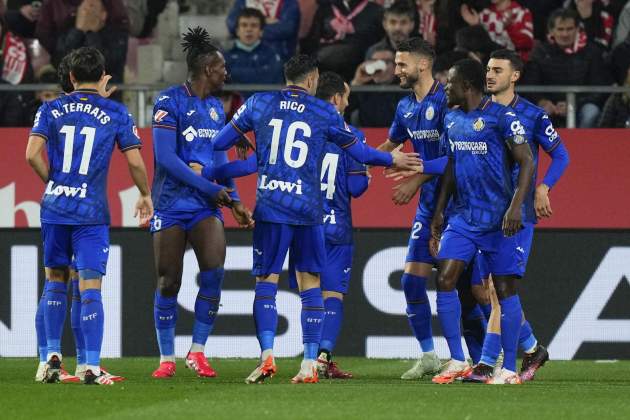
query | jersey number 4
[68, 148]
[329, 167]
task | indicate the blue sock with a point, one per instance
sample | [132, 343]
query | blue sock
[312, 321]
[486, 309]
[40, 326]
[526, 339]
[418, 309]
[450, 312]
[75, 322]
[333, 318]
[511, 317]
[165, 318]
[265, 313]
[474, 331]
[92, 321]
[491, 349]
[55, 314]
[207, 304]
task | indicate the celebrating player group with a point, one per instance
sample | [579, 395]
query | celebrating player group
[474, 161]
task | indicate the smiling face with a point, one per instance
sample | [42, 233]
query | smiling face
[407, 68]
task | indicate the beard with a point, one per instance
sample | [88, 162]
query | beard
[410, 80]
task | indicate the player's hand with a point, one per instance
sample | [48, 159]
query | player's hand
[222, 198]
[406, 161]
[398, 175]
[434, 246]
[541, 202]
[512, 222]
[241, 147]
[144, 209]
[360, 75]
[197, 167]
[102, 87]
[548, 106]
[436, 226]
[405, 191]
[242, 215]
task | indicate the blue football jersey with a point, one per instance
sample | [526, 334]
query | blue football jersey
[196, 121]
[482, 163]
[422, 123]
[291, 129]
[81, 130]
[337, 166]
[539, 132]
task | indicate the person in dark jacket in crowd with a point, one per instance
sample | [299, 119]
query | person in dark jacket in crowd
[251, 60]
[341, 32]
[398, 23]
[616, 113]
[282, 22]
[567, 58]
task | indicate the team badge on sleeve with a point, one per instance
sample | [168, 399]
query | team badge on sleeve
[159, 115]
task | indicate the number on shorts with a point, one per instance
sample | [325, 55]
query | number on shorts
[415, 230]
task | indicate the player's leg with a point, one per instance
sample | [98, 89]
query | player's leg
[473, 320]
[207, 238]
[308, 250]
[335, 278]
[57, 255]
[270, 246]
[91, 250]
[40, 330]
[75, 322]
[456, 252]
[169, 246]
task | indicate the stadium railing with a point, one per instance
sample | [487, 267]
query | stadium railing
[142, 90]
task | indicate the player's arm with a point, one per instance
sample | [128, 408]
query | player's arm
[446, 191]
[138, 172]
[35, 156]
[165, 143]
[387, 146]
[551, 143]
[233, 169]
[241, 214]
[234, 131]
[522, 155]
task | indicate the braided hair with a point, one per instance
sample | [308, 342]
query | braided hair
[198, 46]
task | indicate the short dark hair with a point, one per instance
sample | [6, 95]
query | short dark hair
[330, 84]
[562, 14]
[198, 46]
[401, 8]
[63, 73]
[445, 61]
[512, 56]
[87, 64]
[249, 12]
[298, 67]
[472, 72]
[418, 46]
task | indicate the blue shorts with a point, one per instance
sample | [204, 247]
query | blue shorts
[498, 252]
[335, 275]
[479, 271]
[272, 241]
[163, 220]
[88, 243]
[418, 247]
[524, 239]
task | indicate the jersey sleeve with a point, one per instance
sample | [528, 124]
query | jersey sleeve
[397, 132]
[339, 132]
[243, 119]
[164, 113]
[41, 123]
[353, 166]
[127, 137]
[512, 130]
[545, 134]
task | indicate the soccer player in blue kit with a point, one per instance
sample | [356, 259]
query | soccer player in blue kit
[503, 71]
[186, 119]
[79, 131]
[419, 119]
[292, 128]
[485, 140]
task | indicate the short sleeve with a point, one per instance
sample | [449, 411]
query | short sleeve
[164, 113]
[512, 129]
[127, 136]
[40, 124]
[545, 134]
[397, 131]
[242, 119]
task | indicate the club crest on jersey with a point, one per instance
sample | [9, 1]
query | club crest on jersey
[159, 115]
[429, 113]
[479, 124]
[285, 186]
[214, 115]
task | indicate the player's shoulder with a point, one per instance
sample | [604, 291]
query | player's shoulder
[111, 105]
[406, 102]
[529, 109]
[169, 95]
[358, 133]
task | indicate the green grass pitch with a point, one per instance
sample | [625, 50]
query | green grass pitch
[562, 390]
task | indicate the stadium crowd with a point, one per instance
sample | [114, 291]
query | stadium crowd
[563, 42]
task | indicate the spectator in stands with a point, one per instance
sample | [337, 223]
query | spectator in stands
[427, 20]
[398, 23]
[623, 25]
[251, 60]
[507, 22]
[595, 20]
[22, 16]
[66, 25]
[46, 75]
[475, 41]
[540, 12]
[282, 22]
[616, 113]
[143, 16]
[341, 32]
[567, 58]
[374, 109]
